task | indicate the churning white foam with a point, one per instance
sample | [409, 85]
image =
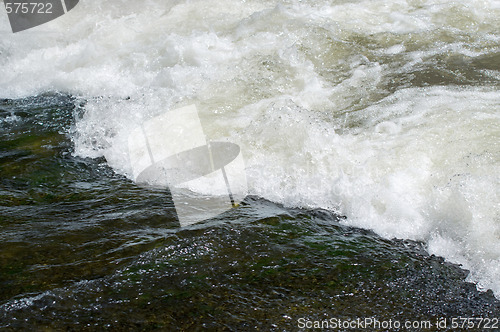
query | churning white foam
[307, 91]
[424, 165]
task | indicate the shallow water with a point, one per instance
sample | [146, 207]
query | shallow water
[84, 248]
[360, 123]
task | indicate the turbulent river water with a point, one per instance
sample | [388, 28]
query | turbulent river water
[370, 132]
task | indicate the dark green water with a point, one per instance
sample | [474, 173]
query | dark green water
[85, 249]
